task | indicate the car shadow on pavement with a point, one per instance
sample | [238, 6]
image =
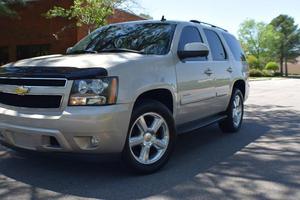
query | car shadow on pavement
[196, 153]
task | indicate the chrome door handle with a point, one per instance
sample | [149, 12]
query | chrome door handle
[208, 72]
[229, 69]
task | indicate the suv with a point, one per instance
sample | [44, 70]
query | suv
[127, 88]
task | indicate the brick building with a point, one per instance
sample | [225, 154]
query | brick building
[33, 35]
[294, 68]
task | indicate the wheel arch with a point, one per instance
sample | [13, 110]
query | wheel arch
[241, 85]
[163, 95]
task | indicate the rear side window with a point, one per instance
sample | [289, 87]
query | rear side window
[235, 47]
[217, 48]
[190, 34]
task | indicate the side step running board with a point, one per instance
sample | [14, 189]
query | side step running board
[194, 125]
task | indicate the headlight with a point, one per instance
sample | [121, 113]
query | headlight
[94, 92]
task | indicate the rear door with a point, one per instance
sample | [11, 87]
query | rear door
[221, 66]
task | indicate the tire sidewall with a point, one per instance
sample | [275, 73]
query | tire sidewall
[230, 110]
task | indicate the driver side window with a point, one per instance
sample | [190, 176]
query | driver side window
[190, 34]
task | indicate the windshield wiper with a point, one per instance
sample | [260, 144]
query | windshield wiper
[120, 50]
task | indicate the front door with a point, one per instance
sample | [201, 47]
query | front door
[195, 80]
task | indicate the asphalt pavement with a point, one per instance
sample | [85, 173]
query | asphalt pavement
[262, 161]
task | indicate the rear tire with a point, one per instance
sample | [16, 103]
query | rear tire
[235, 113]
[151, 137]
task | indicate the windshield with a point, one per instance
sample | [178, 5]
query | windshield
[144, 38]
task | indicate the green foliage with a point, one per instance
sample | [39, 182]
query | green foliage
[259, 40]
[5, 7]
[88, 12]
[260, 73]
[289, 46]
[252, 61]
[267, 73]
[256, 73]
[272, 66]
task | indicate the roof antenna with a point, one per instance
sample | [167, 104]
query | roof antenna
[163, 19]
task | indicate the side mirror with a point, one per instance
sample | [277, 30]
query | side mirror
[69, 50]
[195, 49]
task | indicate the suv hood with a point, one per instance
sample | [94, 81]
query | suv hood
[69, 66]
[105, 60]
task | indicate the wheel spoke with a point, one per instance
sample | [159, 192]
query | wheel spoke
[135, 141]
[237, 101]
[234, 104]
[160, 144]
[144, 155]
[142, 125]
[235, 118]
[156, 124]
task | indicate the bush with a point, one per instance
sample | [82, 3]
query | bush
[256, 73]
[252, 61]
[260, 73]
[277, 74]
[272, 66]
[267, 73]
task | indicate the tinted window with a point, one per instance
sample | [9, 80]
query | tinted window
[145, 38]
[216, 47]
[190, 34]
[235, 47]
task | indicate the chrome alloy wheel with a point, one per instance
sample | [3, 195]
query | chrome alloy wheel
[149, 138]
[237, 111]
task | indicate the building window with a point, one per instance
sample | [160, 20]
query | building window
[4, 55]
[29, 51]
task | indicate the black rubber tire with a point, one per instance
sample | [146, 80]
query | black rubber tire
[162, 110]
[227, 125]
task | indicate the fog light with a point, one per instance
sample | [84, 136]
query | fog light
[87, 142]
[95, 141]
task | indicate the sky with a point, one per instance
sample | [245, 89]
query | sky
[228, 14]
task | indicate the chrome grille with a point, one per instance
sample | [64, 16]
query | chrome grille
[41, 93]
[33, 82]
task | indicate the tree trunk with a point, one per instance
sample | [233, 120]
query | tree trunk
[282, 56]
[286, 68]
[281, 66]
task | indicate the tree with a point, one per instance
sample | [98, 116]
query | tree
[289, 48]
[5, 7]
[259, 40]
[88, 12]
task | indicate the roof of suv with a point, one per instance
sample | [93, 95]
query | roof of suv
[203, 24]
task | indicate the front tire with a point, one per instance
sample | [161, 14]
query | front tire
[235, 113]
[151, 137]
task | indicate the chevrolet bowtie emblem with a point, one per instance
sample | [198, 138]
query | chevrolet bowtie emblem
[21, 90]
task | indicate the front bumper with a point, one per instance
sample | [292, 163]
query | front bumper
[67, 131]
[247, 90]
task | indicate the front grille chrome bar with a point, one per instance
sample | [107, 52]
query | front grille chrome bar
[51, 82]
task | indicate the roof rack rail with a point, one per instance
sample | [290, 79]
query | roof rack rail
[211, 25]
